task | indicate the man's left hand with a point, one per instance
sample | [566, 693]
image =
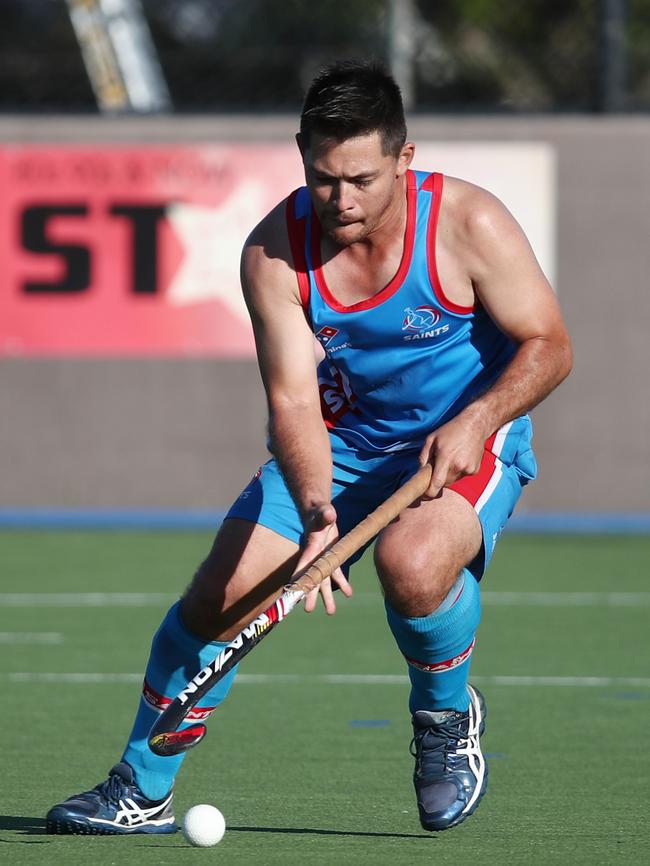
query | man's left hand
[454, 450]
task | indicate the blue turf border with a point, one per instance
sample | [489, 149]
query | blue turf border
[110, 519]
[590, 523]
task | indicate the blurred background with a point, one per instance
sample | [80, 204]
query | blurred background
[451, 55]
[141, 141]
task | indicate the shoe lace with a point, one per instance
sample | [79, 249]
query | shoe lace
[432, 746]
[113, 788]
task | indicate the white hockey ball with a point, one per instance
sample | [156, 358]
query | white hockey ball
[204, 826]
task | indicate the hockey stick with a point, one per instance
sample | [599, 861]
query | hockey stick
[165, 738]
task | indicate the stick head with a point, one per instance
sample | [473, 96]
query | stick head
[171, 743]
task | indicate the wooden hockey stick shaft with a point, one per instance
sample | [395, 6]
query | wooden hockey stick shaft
[363, 532]
[165, 738]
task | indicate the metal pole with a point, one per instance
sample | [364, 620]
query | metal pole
[119, 55]
[400, 38]
[613, 55]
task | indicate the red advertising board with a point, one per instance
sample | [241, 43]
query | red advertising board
[113, 250]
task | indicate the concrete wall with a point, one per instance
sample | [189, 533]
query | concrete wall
[189, 433]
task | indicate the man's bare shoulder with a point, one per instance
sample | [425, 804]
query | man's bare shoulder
[266, 256]
[271, 231]
[479, 229]
[485, 236]
[474, 213]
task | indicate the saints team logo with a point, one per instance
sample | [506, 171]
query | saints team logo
[420, 318]
[421, 323]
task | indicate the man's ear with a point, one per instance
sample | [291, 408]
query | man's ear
[405, 158]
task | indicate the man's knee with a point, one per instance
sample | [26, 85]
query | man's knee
[420, 555]
[417, 575]
[400, 565]
[413, 578]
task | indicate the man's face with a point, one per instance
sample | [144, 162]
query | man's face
[352, 184]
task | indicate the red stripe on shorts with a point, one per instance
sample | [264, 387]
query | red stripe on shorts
[471, 487]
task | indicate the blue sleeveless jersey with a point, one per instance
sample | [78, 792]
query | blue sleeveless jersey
[399, 364]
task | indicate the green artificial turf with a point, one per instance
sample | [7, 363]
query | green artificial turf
[310, 770]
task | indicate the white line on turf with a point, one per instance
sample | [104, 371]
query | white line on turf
[86, 599]
[74, 678]
[29, 637]
[489, 597]
[544, 599]
[568, 599]
[337, 679]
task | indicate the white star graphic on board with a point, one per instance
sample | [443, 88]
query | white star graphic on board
[212, 238]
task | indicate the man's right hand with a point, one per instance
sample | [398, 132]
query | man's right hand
[320, 532]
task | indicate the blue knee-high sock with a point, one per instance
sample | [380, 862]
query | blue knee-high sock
[176, 656]
[438, 647]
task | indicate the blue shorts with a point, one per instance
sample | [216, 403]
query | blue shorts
[362, 480]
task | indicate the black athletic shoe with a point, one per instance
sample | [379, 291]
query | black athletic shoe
[450, 774]
[114, 806]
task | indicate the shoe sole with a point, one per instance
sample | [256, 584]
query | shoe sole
[75, 828]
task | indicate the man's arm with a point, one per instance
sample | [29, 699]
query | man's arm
[511, 286]
[285, 352]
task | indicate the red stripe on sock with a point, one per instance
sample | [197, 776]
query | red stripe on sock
[441, 667]
[160, 702]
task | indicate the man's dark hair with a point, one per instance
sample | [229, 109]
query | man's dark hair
[350, 98]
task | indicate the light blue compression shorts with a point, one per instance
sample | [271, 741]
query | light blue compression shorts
[362, 480]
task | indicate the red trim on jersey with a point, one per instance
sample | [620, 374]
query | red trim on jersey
[402, 271]
[428, 184]
[160, 702]
[471, 487]
[296, 230]
[434, 183]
